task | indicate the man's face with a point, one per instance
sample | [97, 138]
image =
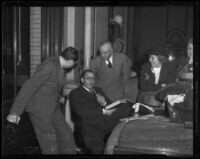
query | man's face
[88, 80]
[106, 51]
[190, 50]
[67, 63]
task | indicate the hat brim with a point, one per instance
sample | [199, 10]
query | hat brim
[113, 21]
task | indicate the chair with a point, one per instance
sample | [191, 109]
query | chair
[82, 148]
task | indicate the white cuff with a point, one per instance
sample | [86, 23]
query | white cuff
[104, 104]
[104, 111]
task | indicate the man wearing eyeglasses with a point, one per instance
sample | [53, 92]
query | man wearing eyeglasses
[88, 102]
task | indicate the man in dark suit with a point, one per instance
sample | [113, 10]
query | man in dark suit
[88, 102]
[40, 96]
[113, 71]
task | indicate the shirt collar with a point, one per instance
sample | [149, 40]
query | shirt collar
[86, 88]
[110, 59]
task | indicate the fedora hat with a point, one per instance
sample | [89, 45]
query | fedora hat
[117, 19]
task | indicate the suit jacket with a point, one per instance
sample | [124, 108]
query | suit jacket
[167, 76]
[87, 107]
[39, 94]
[112, 80]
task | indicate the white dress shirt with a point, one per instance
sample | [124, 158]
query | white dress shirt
[110, 59]
[156, 72]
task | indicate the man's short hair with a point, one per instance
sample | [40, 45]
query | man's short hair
[85, 71]
[105, 42]
[70, 53]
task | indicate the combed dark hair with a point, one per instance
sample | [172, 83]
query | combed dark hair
[70, 53]
[190, 41]
[85, 71]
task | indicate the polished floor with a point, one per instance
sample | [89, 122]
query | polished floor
[19, 139]
[16, 139]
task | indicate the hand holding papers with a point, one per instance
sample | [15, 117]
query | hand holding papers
[136, 106]
[101, 99]
[114, 104]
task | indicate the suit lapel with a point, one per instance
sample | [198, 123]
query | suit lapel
[152, 76]
[113, 60]
[161, 74]
[115, 63]
[87, 94]
[60, 72]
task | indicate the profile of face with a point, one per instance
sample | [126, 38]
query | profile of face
[153, 59]
[67, 63]
[190, 50]
[88, 80]
[106, 51]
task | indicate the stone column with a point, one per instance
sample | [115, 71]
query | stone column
[69, 40]
[87, 37]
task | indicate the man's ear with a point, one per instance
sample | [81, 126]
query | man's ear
[82, 80]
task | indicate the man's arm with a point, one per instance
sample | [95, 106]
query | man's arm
[101, 92]
[84, 107]
[30, 87]
[126, 71]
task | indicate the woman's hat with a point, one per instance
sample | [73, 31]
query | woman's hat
[117, 19]
[158, 51]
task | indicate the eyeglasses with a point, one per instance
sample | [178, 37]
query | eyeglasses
[90, 78]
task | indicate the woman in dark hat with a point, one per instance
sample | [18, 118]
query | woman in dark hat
[183, 111]
[155, 74]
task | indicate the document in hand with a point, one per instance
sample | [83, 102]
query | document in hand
[114, 104]
[142, 109]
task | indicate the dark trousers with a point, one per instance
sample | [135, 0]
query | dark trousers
[54, 137]
[123, 110]
[94, 136]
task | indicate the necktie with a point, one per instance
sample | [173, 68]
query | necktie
[109, 63]
[91, 91]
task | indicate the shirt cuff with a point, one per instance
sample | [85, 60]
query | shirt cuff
[104, 103]
[104, 111]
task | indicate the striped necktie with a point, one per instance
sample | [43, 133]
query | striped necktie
[91, 91]
[109, 63]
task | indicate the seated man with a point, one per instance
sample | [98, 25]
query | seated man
[88, 102]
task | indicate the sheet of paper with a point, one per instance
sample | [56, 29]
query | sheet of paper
[113, 104]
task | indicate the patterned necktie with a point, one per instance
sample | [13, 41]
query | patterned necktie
[109, 63]
[91, 90]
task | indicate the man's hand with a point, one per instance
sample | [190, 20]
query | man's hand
[62, 100]
[108, 111]
[101, 99]
[163, 85]
[13, 118]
